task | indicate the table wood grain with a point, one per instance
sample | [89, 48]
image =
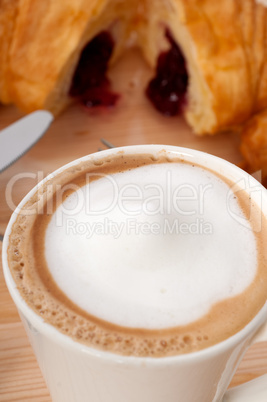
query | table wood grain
[73, 134]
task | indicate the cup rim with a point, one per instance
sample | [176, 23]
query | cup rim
[36, 322]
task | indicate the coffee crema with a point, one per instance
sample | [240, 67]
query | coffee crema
[141, 255]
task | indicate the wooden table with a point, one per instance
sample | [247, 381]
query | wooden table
[73, 134]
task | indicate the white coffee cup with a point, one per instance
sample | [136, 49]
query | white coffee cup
[75, 372]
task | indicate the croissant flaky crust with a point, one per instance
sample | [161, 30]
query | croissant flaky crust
[47, 39]
[224, 44]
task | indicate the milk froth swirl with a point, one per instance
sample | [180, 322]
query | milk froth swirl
[140, 255]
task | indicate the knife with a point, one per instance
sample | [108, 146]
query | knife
[19, 137]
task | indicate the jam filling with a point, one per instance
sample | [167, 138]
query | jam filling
[167, 90]
[90, 84]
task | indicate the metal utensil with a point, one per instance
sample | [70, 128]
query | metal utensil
[106, 143]
[19, 137]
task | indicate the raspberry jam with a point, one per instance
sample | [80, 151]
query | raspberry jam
[167, 90]
[90, 83]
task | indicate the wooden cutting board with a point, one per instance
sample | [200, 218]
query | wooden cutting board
[73, 134]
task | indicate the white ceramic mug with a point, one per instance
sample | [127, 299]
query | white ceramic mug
[77, 373]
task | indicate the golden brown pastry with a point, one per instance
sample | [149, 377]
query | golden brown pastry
[47, 41]
[8, 13]
[223, 43]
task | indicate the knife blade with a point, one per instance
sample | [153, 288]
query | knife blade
[19, 137]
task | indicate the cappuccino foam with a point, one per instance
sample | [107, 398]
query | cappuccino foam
[141, 275]
[141, 256]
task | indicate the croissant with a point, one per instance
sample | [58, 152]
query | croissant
[214, 53]
[47, 40]
[8, 13]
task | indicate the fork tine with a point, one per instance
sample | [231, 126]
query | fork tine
[107, 143]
